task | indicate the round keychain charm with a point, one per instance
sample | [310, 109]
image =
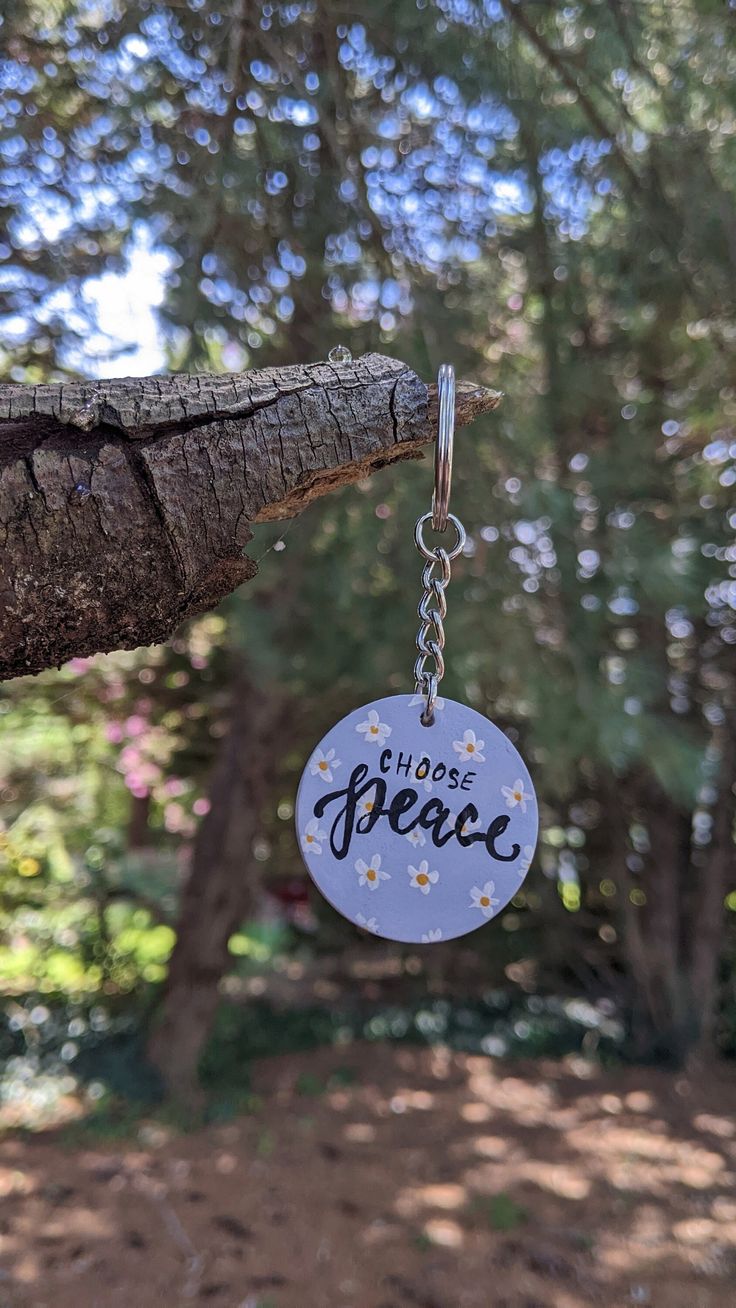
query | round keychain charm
[416, 816]
[416, 833]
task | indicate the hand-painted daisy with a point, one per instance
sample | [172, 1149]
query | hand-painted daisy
[322, 765]
[469, 825]
[469, 748]
[367, 923]
[431, 937]
[367, 804]
[439, 703]
[313, 837]
[483, 899]
[525, 863]
[370, 874]
[373, 729]
[421, 877]
[416, 837]
[516, 794]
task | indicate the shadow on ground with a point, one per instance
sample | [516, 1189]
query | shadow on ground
[381, 1176]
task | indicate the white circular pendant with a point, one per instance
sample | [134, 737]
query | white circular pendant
[416, 833]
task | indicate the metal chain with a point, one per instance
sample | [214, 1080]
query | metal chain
[432, 610]
[428, 645]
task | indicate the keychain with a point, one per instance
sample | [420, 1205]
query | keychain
[416, 816]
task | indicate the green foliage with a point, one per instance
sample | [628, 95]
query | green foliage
[86, 899]
[497, 1024]
[500, 1211]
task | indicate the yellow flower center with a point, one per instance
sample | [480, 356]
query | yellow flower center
[323, 765]
[369, 806]
[310, 839]
[470, 746]
[517, 796]
[371, 874]
[374, 731]
[485, 901]
[422, 879]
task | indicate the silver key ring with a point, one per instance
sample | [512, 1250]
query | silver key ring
[444, 446]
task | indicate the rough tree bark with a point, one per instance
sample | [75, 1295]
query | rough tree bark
[125, 505]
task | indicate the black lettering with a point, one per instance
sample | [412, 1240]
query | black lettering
[404, 765]
[342, 827]
[469, 776]
[422, 769]
[438, 772]
[385, 761]
[367, 821]
[496, 829]
[468, 814]
[432, 817]
[402, 801]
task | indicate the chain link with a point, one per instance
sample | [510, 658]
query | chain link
[432, 610]
[431, 645]
[433, 605]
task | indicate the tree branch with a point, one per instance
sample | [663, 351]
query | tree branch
[125, 505]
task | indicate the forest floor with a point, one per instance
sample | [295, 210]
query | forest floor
[382, 1176]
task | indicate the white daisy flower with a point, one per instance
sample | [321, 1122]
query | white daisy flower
[431, 937]
[367, 804]
[484, 899]
[370, 874]
[516, 794]
[322, 765]
[373, 729]
[421, 877]
[423, 781]
[367, 923]
[525, 863]
[469, 825]
[416, 837]
[469, 748]
[439, 703]
[313, 837]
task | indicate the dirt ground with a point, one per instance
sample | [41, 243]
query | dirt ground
[385, 1177]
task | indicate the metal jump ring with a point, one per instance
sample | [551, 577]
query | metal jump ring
[426, 717]
[443, 448]
[430, 554]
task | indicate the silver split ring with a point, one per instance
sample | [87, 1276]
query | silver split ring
[443, 447]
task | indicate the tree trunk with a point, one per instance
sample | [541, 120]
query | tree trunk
[708, 925]
[661, 884]
[220, 888]
[126, 504]
[657, 986]
[140, 812]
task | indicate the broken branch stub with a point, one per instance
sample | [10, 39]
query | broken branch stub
[126, 504]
